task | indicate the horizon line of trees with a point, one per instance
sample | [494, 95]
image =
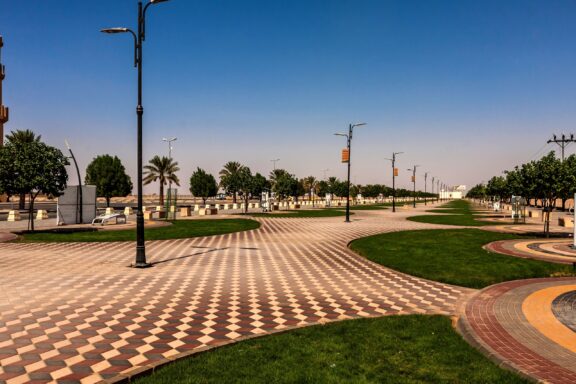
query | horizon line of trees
[546, 180]
[22, 158]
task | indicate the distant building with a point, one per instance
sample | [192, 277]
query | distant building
[456, 192]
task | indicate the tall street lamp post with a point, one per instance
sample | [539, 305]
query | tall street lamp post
[79, 201]
[432, 188]
[138, 39]
[425, 183]
[413, 170]
[438, 190]
[169, 200]
[348, 145]
[393, 160]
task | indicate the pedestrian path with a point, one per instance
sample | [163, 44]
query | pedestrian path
[552, 250]
[528, 326]
[76, 313]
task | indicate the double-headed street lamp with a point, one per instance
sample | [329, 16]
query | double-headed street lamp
[349, 142]
[393, 160]
[138, 39]
[413, 170]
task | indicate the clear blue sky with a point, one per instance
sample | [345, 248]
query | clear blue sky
[465, 88]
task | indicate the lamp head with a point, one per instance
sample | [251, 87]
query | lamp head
[158, 1]
[114, 30]
[341, 134]
[358, 124]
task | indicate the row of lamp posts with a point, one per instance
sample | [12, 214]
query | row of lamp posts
[139, 38]
[348, 156]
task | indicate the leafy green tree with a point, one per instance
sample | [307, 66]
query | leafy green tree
[285, 185]
[21, 137]
[109, 176]
[245, 185]
[322, 188]
[548, 184]
[203, 185]
[477, 192]
[496, 188]
[340, 188]
[259, 185]
[162, 169]
[229, 178]
[568, 183]
[32, 168]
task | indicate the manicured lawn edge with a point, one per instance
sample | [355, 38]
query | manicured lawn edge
[401, 348]
[181, 229]
[451, 256]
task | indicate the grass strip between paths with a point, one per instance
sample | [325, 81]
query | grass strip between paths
[178, 230]
[394, 349]
[452, 256]
[456, 212]
[301, 213]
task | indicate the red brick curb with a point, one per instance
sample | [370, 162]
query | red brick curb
[480, 326]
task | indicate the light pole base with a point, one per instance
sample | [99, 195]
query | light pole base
[141, 265]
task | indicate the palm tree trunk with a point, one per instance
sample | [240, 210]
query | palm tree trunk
[161, 194]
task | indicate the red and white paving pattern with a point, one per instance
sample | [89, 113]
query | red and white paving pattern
[76, 313]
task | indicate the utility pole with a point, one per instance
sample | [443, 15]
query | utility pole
[563, 142]
[274, 162]
[394, 174]
[3, 110]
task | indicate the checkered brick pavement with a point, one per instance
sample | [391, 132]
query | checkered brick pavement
[76, 313]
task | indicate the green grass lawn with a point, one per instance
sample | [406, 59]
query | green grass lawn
[394, 349]
[302, 213]
[368, 207]
[178, 230]
[451, 256]
[456, 212]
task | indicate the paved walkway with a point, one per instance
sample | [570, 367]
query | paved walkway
[76, 313]
[551, 250]
[528, 325]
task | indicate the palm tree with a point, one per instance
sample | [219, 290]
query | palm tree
[309, 183]
[276, 174]
[162, 169]
[230, 178]
[22, 137]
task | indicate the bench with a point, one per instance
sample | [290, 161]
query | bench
[103, 219]
[567, 222]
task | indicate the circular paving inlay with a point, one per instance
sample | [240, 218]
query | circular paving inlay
[564, 308]
[552, 250]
